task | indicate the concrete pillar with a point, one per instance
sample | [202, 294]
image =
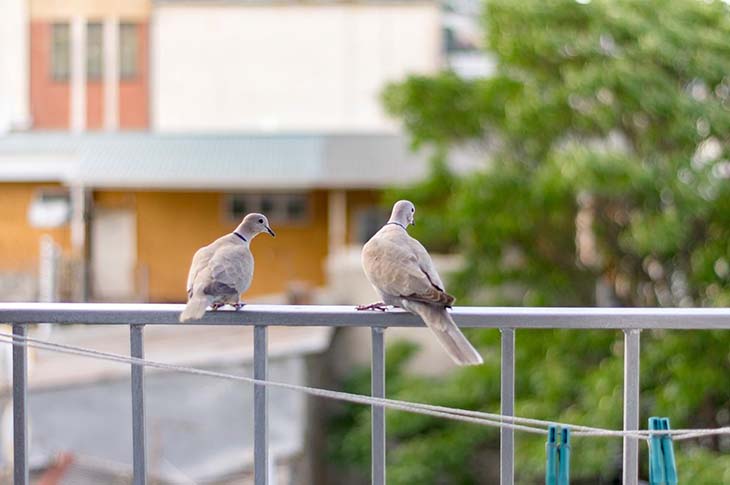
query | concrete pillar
[80, 201]
[336, 220]
[111, 74]
[78, 74]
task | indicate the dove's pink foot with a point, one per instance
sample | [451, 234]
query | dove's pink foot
[238, 306]
[215, 306]
[378, 305]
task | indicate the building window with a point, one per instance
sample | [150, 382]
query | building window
[94, 50]
[366, 222]
[278, 208]
[60, 51]
[128, 50]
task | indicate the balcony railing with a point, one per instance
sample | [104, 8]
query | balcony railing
[508, 320]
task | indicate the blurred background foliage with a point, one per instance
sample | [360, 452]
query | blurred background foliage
[606, 181]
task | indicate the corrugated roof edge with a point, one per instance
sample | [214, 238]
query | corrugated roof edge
[214, 161]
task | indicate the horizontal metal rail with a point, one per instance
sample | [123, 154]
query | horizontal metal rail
[509, 320]
[347, 316]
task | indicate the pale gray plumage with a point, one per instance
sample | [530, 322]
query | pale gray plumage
[222, 270]
[402, 272]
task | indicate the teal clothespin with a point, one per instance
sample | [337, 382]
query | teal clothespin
[657, 472]
[670, 466]
[551, 447]
[564, 458]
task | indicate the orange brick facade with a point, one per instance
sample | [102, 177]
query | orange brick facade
[51, 99]
[134, 93]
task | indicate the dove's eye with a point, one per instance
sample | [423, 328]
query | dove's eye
[261, 221]
[413, 209]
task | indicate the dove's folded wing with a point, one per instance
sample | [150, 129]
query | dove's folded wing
[227, 272]
[395, 268]
[425, 262]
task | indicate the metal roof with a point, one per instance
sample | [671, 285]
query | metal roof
[211, 161]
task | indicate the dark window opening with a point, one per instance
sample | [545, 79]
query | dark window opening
[128, 50]
[60, 51]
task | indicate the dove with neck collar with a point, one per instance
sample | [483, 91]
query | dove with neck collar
[223, 269]
[403, 274]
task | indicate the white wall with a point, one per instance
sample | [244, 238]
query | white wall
[14, 67]
[285, 67]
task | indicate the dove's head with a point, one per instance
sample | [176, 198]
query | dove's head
[403, 213]
[254, 224]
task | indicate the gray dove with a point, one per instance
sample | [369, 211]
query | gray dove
[223, 269]
[401, 271]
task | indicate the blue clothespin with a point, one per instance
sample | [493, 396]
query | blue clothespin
[551, 447]
[670, 466]
[564, 458]
[657, 472]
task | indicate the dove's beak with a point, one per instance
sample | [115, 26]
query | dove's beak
[270, 231]
[413, 221]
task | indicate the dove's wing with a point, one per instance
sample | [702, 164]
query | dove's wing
[395, 266]
[425, 262]
[231, 268]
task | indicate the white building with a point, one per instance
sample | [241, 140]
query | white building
[317, 67]
[14, 65]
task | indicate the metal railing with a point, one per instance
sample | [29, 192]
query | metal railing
[507, 320]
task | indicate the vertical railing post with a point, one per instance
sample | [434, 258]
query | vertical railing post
[631, 406]
[139, 448]
[378, 412]
[260, 418]
[507, 407]
[20, 408]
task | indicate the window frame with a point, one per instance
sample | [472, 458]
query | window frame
[59, 72]
[377, 213]
[98, 26]
[127, 73]
[280, 214]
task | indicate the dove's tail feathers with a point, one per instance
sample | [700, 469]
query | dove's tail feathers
[195, 309]
[445, 329]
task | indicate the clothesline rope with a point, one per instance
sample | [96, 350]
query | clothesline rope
[517, 423]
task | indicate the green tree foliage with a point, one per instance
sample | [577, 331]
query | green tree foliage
[606, 140]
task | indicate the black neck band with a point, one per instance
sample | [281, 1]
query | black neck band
[240, 237]
[396, 223]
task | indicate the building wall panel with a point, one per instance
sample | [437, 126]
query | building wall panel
[171, 226]
[94, 105]
[286, 67]
[63, 9]
[19, 241]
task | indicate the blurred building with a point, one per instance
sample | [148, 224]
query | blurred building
[132, 133]
[148, 201]
[135, 132]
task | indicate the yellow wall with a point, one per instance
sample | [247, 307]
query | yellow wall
[171, 226]
[19, 242]
[64, 9]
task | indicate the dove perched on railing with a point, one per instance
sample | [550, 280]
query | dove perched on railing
[222, 270]
[402, 272]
